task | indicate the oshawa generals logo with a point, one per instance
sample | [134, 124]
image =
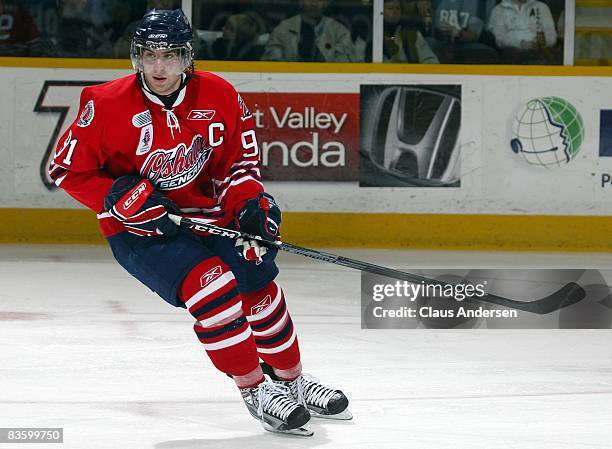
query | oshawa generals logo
[175, 168]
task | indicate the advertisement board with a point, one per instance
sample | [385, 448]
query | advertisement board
[517, 144]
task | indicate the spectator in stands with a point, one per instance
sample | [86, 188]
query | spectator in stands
[524, 30]
[458, 29]
[419, 14]
[18, 33]
[77, 36]
[239, 41]
[400, 42]
[310, 36]
[121, 49]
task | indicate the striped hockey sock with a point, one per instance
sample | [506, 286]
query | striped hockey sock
[274, 333]
[210, 294]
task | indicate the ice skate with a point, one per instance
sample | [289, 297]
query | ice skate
[272, 404]
[321, 401]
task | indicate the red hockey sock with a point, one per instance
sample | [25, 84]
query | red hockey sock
[273, 329]
[210, 293]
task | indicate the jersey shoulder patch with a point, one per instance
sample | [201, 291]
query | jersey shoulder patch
[87, 114]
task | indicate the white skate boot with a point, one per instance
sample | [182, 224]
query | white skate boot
[272, 404]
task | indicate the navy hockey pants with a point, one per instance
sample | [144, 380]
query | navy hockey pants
[161, 263]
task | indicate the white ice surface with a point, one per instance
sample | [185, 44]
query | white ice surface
[84, 347]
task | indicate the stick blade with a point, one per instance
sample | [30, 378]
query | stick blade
[569, 294]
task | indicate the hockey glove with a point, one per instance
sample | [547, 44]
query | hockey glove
[262, 217]
[142, 210]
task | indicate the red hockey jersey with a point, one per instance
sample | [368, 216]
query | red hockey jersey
[202, 153]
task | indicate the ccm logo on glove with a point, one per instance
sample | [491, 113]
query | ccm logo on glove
[136, 199]
[142, 209]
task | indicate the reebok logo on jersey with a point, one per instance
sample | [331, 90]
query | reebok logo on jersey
[210, 276]
[201, 114]
[142, 119]
[87, 115]
[261, 305]
[177, 167]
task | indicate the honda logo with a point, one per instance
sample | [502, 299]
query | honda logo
[411, 134]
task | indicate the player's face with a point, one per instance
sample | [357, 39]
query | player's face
[162, 70]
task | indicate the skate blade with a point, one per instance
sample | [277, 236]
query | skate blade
[344, 415]
[299, 432]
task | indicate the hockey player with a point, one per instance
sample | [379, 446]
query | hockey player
[168, 139]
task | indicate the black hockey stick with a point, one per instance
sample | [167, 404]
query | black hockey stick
[567, 295]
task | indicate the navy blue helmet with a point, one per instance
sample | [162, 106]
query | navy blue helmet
[162, 29]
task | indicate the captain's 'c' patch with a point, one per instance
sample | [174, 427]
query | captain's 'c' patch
[87, 115]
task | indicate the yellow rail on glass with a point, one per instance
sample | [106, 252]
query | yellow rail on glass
[594, 30]
[594, 3]
[301, 67]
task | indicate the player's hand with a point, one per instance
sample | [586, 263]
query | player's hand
[250, 250]
[260, 216]
[142, 210]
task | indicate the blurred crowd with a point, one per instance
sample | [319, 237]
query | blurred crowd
[414, 31]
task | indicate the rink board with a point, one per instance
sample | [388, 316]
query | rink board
[566, 204]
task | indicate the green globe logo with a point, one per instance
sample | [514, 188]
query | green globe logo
[547, 132]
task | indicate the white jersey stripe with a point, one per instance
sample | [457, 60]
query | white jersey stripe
[216, 181]
[238, 172]
[238, 181]
[58, 182]
[243, 163]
